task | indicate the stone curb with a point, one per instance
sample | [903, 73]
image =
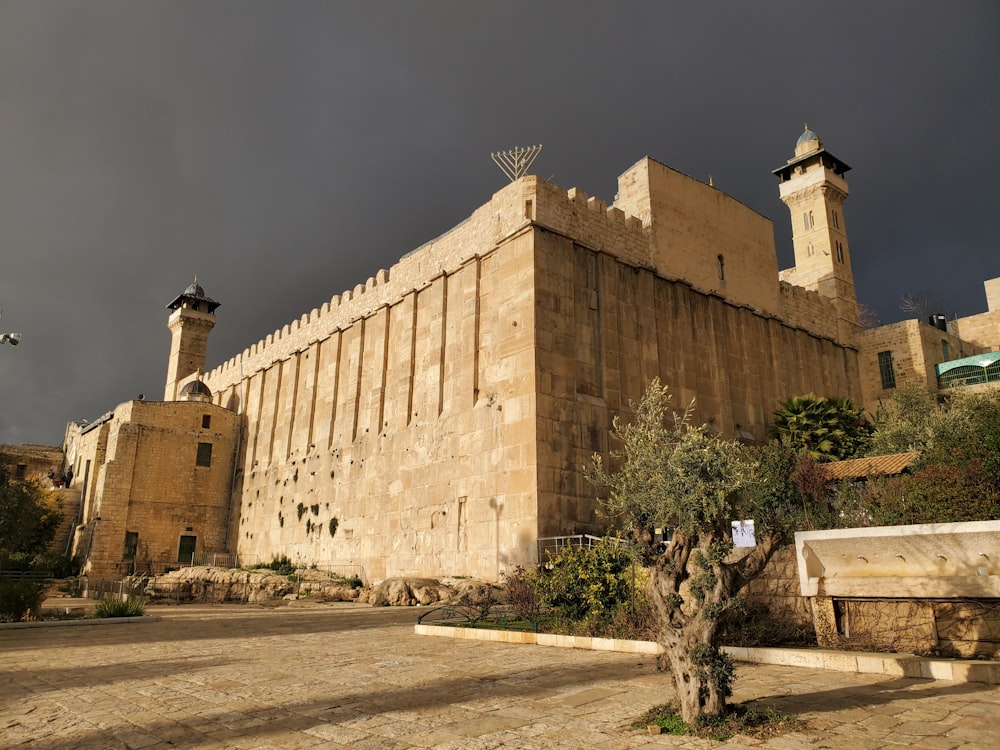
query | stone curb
[894, 665]
[83, 621]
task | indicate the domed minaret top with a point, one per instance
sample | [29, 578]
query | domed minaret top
[810, 152]
[195, 298]
[807, 142]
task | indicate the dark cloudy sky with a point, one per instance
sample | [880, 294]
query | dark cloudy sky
[285, 151]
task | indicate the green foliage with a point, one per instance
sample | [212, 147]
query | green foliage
[956, 478]
[128, 607]
[743, 719]
[666, 718]
[713, 666]
[281, 565]
[20, 599]
[938, 493]
[790, 492]
[59, 566]
[828, 427]
[28, 515]
[588, 584]
[670, 473]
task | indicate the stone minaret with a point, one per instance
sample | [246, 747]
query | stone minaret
[814, 189]
[192, 319]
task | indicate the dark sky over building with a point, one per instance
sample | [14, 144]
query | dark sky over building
[284, 152]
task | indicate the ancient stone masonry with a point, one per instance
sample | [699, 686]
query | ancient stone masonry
[434, 421]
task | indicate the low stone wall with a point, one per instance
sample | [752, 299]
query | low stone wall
[777, 590]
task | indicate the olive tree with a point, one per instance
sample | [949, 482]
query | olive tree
[668, 472]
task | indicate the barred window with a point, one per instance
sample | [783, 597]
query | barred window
[886, 370]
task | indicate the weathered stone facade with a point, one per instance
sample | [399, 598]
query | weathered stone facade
[434, 420]
[144, 472]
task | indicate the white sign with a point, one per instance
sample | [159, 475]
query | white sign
[743, 534]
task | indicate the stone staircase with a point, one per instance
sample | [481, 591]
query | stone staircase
[69, 505]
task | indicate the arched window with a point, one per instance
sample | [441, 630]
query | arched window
[810, 250]
[812, 222]
[840, 252]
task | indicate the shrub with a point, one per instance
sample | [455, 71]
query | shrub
[523, 593]
[20, 599]
[59, 565]
[281, 565]
[590, 584]
[120, 608]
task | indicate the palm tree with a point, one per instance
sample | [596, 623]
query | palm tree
[830, 428]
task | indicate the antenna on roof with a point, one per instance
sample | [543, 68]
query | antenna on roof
[516, 162]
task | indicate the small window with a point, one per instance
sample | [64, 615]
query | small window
[810, 251]
[944, 350]
[886, 370]
[812, 222]
[186, 548]
[206, 421]
[840, 252]
[722, 268]
[805, 220]
[204, 454]
[21, 471]
[131, 545]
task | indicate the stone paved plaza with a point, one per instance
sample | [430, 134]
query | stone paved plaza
[350, 676]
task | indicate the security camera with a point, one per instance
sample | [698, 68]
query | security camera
[10, 338]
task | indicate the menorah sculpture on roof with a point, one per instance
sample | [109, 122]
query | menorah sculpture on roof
[516, 161]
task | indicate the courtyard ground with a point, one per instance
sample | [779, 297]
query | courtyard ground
[352, 676]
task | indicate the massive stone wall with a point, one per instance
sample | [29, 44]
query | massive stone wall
[434, 421]
[399, 442]
[394, 430]
[606, 328]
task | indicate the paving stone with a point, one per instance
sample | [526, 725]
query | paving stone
[350, 676]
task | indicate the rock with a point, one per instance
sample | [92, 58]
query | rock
[204, 583]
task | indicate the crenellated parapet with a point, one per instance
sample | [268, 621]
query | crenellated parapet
[529, 201]
[809, 310]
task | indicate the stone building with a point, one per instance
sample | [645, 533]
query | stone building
[434, 420]
[933, 352]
